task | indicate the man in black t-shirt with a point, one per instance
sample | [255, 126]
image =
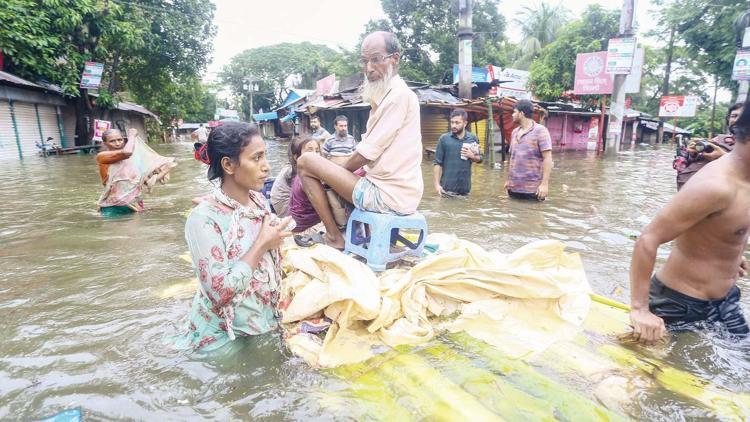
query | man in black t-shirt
[455, 152]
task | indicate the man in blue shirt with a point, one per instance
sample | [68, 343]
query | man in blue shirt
[455, 153]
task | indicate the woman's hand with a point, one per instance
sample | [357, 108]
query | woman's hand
[272, 235]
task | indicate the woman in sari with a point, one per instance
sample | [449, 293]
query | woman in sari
[127, 166]
[234, 242]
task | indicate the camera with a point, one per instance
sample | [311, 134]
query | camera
[704, 146]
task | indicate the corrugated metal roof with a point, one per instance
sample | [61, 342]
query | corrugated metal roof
[16, 80]
[9, 77]
[429, 95]
[126, 106]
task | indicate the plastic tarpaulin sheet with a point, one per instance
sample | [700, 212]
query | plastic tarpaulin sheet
[520, 303]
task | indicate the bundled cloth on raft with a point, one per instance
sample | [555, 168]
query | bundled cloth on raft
[336, 311]
[127, 178]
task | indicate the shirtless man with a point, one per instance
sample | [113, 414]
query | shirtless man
[709, 220]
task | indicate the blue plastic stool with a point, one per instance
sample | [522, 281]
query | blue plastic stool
[384, 231]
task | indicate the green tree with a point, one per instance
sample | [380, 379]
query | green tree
[686, 79]
[553, 72]
[540, 27]
[147, 47]
[278, 67]
[700, 125]
[427, 32]
[706, 27]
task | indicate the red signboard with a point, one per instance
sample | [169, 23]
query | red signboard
[591, 75]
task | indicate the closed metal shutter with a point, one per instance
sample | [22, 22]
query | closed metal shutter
[28, 128]
[434, 123]
[69, 121]
[8, 146]
[479, 128]
[48, 121]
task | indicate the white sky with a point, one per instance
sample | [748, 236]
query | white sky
[244, 24]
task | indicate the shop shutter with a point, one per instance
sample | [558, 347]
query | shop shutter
[479, 128]
[8, 146]
[69, 121]
[434, 123]
[48, 121]
[28, 128]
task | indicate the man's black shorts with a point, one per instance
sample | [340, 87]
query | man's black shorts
[522, 195]
[679, 310]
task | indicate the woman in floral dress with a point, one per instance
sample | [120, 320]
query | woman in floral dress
[234, 243]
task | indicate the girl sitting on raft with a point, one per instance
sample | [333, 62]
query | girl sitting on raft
[300, 207]
[234, 242]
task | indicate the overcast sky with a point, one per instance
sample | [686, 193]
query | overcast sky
[244, 24]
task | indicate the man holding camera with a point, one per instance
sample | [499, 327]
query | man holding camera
[709, 222]
[698, 154]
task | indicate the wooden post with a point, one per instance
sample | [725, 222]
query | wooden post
[490, 140]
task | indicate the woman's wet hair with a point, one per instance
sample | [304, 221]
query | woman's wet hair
[226, 140]
[295, 150]
[741, 129]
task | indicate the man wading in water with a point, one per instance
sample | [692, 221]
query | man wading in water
[709, 220]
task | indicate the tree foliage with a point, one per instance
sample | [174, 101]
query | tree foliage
[427, 31]
[706, 27]
[278, 67]
[540, 26]
[148, 46]
[685, 79]
[554, 71]
[700, 125]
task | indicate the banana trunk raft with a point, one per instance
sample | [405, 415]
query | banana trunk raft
[474, 335]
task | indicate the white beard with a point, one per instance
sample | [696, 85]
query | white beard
[372, 92]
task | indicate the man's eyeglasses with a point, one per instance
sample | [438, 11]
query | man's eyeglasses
[375, 60]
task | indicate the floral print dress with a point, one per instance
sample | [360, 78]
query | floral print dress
[231, 301]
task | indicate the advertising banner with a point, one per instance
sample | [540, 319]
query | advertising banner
[677, 106]
[591, 76]
[620, 53]
[92, 75]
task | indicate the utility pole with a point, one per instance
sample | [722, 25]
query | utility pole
[742, 27]
[617, 109]
[249, 86]
[665, 83]
[465, 36]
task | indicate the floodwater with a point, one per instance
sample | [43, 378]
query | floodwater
[85, 303]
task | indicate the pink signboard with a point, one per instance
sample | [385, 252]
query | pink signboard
[591, 74]
[100, 126]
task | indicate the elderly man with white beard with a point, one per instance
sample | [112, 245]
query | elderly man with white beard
[390, 152]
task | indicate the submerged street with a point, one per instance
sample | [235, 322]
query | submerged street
[87, 302]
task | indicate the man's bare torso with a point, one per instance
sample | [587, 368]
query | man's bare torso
[704, 262]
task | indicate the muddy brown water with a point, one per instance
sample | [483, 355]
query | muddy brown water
[84, 311]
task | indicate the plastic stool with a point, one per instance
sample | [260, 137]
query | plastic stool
[384, 232]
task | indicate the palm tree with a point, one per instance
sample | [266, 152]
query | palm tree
[539, 26]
